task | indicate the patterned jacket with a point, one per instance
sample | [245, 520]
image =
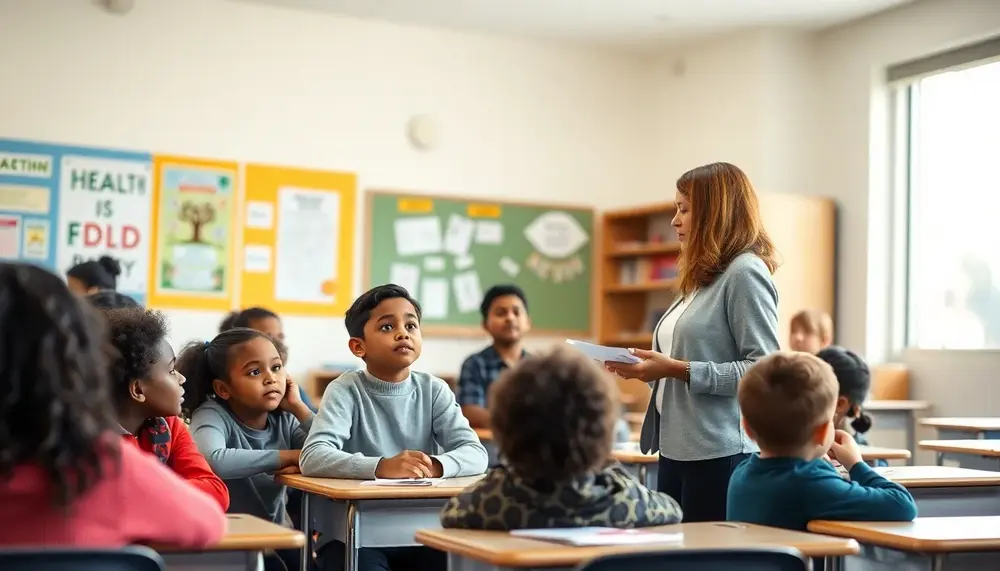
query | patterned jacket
[609, 498]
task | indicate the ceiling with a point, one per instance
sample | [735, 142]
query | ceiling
[634, 25]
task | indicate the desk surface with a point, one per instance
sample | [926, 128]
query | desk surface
[926, 535]
[870, 453]
[977, 424]
[939, 476]
[353, 490]
[877, 405]
[976, 447]
[484, 434]
[503, 550]
[634, 456]
[249, 533]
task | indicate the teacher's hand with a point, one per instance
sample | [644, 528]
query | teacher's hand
[654, 365]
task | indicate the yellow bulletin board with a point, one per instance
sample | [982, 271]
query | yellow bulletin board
[297, 253]
[194, 228]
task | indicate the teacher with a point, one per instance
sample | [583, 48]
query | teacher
[724, 319]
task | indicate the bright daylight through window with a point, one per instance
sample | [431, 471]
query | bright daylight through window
[953, 255]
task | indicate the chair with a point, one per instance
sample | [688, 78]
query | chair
[757, 559]
[132, 558]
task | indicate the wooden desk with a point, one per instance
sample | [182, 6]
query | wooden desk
[635, 417]
[966, 543]
[898, 414]
[964, 428]
[240, 549]
[979, 454]
[645, 467]
[486, 438]
[945, 491]
[499, 551]
[369, 516]
[873, 453]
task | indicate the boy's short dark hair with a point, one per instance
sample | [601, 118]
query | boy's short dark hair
[499, 291]
[361, 310]
[553, 416]
[135, 334]
[784, 397]
[110, 299]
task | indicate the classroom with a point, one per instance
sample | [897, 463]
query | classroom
[293, 155]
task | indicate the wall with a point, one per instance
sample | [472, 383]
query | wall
[252, 82]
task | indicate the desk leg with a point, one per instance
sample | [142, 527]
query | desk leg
[307, 547]
[352, 545]
[911, 436]
[937, 562]
[940, 458]
[833, 564]
[641, 472]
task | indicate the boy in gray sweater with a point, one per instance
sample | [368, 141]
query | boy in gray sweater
[387, 421]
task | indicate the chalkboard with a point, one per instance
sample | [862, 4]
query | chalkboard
[448, 251]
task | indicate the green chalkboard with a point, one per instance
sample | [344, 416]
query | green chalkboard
[448, 251]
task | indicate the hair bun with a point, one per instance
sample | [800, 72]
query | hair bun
[110, 265]
[862, 424]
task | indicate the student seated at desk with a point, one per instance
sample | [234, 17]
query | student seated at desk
[66, 477]
[388, 421]
[553, 420]
[248, 421]
[854, 379]
[148, 393]
[788, 402]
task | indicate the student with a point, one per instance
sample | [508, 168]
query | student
[109, 299]
[94, 275]
[854, 379]
[505, 318]
[148, 394]
[65, 477]
[553, 419]
[265, 321]
[248, 421]
[811, 330]
[387, 421]
[788, 402]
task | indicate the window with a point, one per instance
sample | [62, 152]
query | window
[952, 149]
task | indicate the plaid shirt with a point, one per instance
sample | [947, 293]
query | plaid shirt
[478, 373]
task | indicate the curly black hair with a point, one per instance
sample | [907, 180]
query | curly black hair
[55, 408]
[110, 299]
[135, 334]
[361, 310]
[553, 416]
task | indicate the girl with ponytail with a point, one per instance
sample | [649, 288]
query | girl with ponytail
[855, 380]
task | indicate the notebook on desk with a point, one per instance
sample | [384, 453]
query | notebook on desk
[594, 536]
[402, 482]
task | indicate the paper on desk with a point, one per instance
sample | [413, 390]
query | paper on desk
[603, 353]
[588, 536]
[402, 482]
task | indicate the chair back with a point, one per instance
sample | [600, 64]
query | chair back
[756, 559]
[131, 558]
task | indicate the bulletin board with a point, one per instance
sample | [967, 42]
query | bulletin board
[63, 205]
[194, 233]
[298, 240]
[447, 251]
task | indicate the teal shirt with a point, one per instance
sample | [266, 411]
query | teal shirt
[791, 492]
[363, 419]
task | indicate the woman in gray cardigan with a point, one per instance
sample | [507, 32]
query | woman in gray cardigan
[724, 319]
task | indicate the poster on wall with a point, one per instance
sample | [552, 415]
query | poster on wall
[28, 186]
[195, 231]
[106, 209]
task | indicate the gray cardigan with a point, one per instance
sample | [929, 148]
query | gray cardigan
[729, 325]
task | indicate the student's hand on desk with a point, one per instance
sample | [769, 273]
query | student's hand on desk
[408, 464]
[654, 366]
[845, 450]
[289, 458]
[289, 470]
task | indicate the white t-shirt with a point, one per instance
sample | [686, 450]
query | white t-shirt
[665, 337]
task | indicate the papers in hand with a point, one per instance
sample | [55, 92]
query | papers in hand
[603, 353]
[402, 482]
[591, 536]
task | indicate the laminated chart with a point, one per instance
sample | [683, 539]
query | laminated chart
[447, 251]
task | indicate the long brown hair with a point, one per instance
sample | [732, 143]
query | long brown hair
[725, 222]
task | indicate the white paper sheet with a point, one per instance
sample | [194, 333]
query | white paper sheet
[468, 294]
[458, 238]
[434, 298]
[257, 258]
[407, 276]
[307, 244]
[418, 236]
[402, 482]
[510, 267]
[463, 262]
[584, 536]
[489, 232]
[260, 214]
[434, 264]
[603, 353]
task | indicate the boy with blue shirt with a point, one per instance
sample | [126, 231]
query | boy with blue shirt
[788, 402]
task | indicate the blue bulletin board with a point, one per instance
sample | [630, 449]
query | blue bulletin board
[61, 205]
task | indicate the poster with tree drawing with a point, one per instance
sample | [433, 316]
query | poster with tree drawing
[195, 230]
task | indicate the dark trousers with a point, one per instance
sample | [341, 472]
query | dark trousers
[699, 486]
[331, 558]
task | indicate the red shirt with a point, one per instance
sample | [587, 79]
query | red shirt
[139, 501]
[177, 449]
